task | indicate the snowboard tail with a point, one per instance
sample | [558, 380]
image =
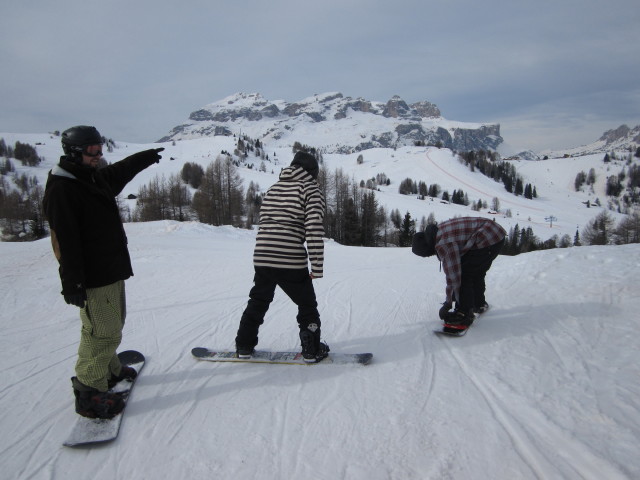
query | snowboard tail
[89, 431]
[288, 358]
[459, 330]
[452, 331]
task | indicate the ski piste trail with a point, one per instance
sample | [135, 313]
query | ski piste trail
[544, 385]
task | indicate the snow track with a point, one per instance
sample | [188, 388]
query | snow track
[543, 386]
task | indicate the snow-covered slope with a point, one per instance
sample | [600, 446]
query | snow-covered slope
[554, 178]
[545, 385]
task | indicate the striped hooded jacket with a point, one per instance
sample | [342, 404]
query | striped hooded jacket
[291, 214]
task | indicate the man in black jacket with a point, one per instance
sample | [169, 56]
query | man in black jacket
[89, 241]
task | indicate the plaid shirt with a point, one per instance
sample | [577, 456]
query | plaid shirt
[455, 238]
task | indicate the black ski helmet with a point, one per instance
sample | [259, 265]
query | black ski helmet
[75, 139]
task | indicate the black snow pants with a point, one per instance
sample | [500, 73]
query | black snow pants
[475, 265]
[298, 286]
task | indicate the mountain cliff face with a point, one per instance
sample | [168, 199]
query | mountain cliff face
[336, 123]
[622, 138]
[623, 134]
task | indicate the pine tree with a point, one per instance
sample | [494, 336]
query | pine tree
[581, 178]
[407, 230]
[599, 230]
[192, 174]
[369, 223]
[352, 231]
[519, 188]
[396, 218]
[514, 240]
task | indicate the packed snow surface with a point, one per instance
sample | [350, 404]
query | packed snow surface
[545, 385]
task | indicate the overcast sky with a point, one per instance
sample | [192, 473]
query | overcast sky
[554, 73]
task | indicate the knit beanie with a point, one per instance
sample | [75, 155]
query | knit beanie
[306, 161]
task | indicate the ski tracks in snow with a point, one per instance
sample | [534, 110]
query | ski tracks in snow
[544, 447]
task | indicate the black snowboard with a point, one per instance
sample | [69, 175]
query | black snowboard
[289, 358]
[87, 431]
[452, 332]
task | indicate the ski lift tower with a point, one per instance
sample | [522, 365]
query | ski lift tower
[550, 219]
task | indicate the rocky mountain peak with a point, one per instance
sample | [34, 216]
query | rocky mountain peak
[623, 132]
[347, 124]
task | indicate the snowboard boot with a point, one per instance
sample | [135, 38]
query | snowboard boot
[92, 403]
[459, 319]
[127, 373]
[244, 352]
[481, 309]
[313, 350]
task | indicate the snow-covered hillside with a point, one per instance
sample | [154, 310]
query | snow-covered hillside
[545, 385]
[554, 178]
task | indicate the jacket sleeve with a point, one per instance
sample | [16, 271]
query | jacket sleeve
[449, 254]
[122, 172]
[314, 229]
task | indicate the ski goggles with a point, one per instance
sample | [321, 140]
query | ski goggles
[92, 150]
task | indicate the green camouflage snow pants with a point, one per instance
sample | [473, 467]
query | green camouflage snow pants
[102, 322]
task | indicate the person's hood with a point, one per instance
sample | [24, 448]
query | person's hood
[295, 173]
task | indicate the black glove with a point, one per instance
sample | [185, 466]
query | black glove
[79, 298]
[444, 310]
[156, 153]
[148, 156]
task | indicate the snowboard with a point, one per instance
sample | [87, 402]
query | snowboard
[452, 331]
[288, 358]
[88, 431]
[457, 331]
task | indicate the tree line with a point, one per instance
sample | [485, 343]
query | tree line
[21, 216]
[622, 189]
[353, 215]
[601, 230]
[215, 195]
[24, 152]
[487, 163]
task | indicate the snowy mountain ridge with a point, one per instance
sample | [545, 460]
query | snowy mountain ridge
[346, 124]
[339, 124]
[622, 138]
